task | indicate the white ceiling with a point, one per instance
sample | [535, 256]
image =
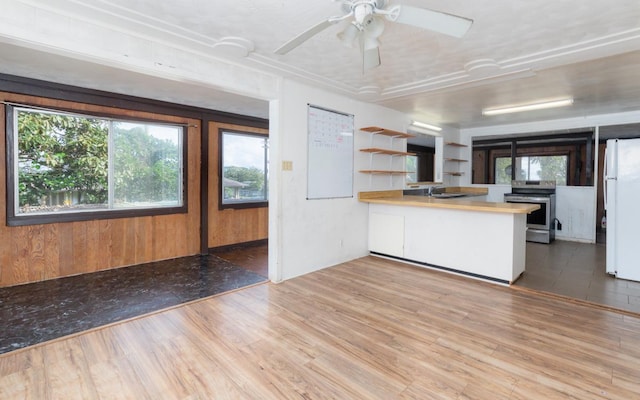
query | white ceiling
[517, 51]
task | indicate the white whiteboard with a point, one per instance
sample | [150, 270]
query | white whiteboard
[329, 154]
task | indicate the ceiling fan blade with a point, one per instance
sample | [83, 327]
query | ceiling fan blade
[436, 21]
[304, 36]
[370, 58]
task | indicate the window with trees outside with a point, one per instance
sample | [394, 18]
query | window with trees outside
[411, 165]
[77, 167]
[533, 168]
[245, 159]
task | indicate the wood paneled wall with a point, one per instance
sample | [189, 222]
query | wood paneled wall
[39, 252]
[231, 226]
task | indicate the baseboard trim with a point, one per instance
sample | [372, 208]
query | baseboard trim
[236, 246]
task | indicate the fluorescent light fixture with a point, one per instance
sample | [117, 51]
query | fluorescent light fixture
[527, 107]
[426, 126]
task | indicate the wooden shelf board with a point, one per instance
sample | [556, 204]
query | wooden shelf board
[454, 173]
[387, 151]
[386, 132]
[456, 144]
[455, 159]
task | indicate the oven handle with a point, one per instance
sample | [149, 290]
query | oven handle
[526, 199]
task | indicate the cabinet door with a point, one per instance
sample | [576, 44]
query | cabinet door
[386, 234]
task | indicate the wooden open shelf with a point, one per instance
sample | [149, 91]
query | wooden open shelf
[386, 132]
[377, 150]
[452, 173]
[456, 144]
[455, 160]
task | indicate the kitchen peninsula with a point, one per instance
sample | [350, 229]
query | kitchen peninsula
[475, 238]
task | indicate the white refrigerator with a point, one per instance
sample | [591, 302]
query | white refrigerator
[622, 203]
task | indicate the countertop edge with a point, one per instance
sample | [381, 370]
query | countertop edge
[454, 204]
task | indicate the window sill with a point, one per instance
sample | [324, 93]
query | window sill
[24, 220]
[259, 204]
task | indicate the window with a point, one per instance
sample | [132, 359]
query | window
[244, 169]
[412, 168]
[533, 168]
[69, 167]
[564, 157]
[421, 166]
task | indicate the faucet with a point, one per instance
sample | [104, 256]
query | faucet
[432, 190]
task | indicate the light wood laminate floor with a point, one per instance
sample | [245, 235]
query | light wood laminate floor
[367, 329]
[570, 269]
[577, 270]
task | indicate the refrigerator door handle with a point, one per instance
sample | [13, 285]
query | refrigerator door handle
[604, 179]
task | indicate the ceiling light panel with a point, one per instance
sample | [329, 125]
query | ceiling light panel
[527, 107]
[426, 126]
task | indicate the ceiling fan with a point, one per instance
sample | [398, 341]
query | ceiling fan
[367, 25]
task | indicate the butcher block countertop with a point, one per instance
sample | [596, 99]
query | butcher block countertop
[395, 197]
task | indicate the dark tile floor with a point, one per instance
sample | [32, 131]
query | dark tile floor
[254, 257]
[577, 270]
[42, 311]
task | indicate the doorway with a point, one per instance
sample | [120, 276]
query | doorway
[238, 211]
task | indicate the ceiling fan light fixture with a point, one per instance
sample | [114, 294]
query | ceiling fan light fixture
[370, 43]
[348, 35]
[375, 27]
[361, 12]
[424, 125]
[366, 17]
[528, 107]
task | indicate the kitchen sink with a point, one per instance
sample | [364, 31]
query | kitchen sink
[447, 195]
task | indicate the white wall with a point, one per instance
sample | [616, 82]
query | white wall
[314, 234]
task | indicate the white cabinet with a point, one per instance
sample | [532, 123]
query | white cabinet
[386, 234]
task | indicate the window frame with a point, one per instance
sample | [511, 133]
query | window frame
[411, 174]
[566, 155]
[245, 204]
[11, 179]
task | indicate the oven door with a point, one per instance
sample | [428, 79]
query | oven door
[539, 219]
